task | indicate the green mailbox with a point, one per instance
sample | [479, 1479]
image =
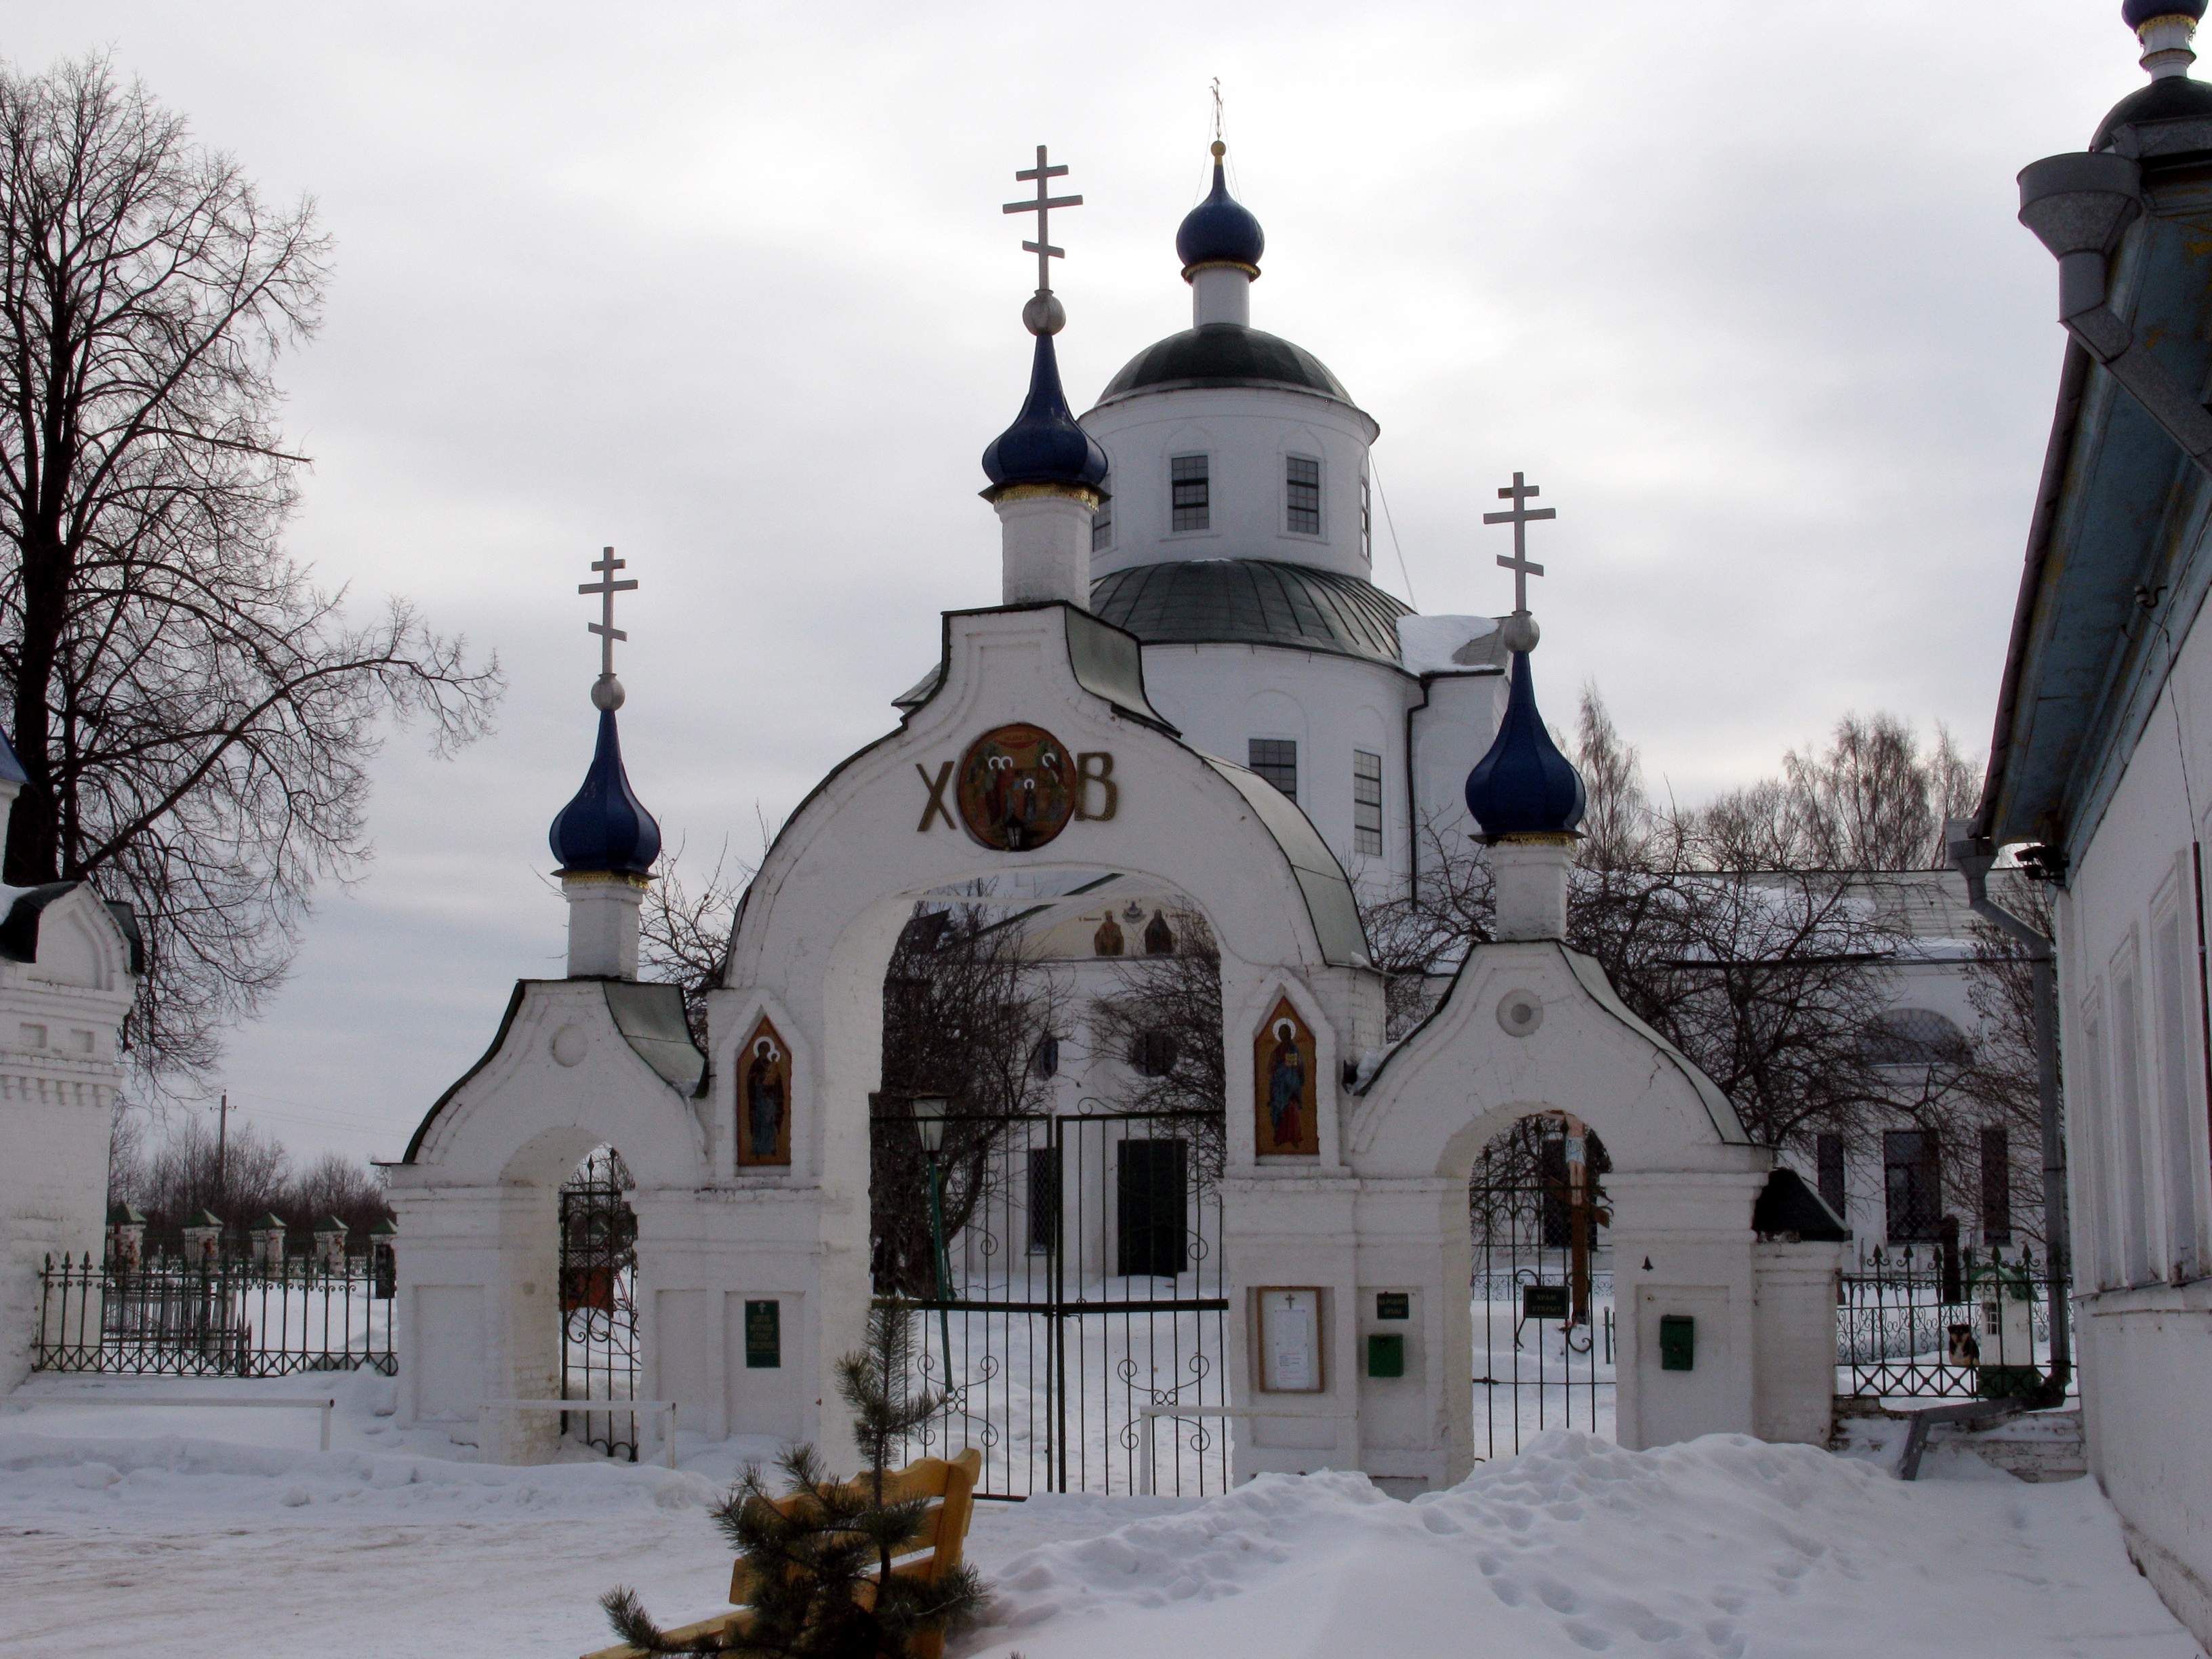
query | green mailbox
[1678, 1342]
[1386, 1354]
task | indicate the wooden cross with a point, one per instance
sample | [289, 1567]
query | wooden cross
[1043, 208]
[1520, 518]
[606, 587]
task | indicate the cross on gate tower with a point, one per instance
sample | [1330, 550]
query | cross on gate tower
[1520, 518]
[1043, 207]
[606, 587]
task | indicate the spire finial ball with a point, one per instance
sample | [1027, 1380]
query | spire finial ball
[1044, 313]
[1220, 150]
[607, 693]
[1519, 632]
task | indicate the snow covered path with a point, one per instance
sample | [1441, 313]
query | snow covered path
[166, 1532]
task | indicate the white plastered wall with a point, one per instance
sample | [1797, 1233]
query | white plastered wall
[60, 1074]
[2136, 1148]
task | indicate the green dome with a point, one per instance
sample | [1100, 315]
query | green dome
[1252, 602]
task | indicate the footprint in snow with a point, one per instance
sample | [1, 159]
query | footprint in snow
[1586, 1635]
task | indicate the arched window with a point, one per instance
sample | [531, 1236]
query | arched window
[1152, 1052]
[1044, 1059]
[1914, 1037]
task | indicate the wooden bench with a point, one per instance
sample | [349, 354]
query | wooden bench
[937, 1547]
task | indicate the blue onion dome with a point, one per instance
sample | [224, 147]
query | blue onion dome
[1220, 230]
[2136, 13]
[605, 829]
[1044, 445]
[1524, 786]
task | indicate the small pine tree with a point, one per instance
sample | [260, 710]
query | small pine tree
[820, 1574]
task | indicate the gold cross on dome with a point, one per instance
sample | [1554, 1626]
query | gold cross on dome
[1043, 207]
[1520, 518]
[606, 587]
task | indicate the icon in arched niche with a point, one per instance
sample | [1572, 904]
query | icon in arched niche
[1283, 1067]
[1016, 787]
[763, 1098]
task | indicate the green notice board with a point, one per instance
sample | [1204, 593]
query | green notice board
[764, 1335]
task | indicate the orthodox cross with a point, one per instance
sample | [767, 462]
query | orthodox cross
[1520, 518]
[606, 587]
[1043, 208]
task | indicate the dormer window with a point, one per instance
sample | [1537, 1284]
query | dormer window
[1190, 500]
[1302, 495]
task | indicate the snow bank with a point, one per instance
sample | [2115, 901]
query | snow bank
[1724, 1546]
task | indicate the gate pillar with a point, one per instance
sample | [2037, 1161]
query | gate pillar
[1682, 1250]
[479, 1312]
[1290, 1240]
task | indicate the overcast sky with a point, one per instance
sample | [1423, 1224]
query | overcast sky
[728, 286]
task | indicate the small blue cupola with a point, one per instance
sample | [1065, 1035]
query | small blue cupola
[605, 829]
[1044, 446]
[2136, 13]
[1220, 230]
[1524, 786]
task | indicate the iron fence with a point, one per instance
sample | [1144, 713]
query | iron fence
[1542, 1285]
[598, 1303]
[216, 1316]
[1943, 1325]
[1083, 1266]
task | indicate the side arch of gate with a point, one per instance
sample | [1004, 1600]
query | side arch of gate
[576, 1065]
[1683, 1183]
[821, 919]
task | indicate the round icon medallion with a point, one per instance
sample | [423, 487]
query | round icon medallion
[1016, 787]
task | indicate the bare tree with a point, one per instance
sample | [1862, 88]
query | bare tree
[1163, 1020]
[966, 1014]
[683, 930]
[1872, 799]
[194, 716]
[241, 1176]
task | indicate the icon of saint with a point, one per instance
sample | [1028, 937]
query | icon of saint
[764, 1101]
[1286, 1088]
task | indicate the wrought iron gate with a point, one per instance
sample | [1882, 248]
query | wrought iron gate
[1542, 1285]
[1082, 1327]
[598, 1307]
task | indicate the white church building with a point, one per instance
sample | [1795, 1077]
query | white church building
[1192, 699]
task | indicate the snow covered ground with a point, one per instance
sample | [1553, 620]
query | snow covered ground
[163, 1530]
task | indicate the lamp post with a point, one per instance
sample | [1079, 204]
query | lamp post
[929, 1123]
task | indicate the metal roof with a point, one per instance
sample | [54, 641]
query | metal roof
[1224, 354]
[1252, 602]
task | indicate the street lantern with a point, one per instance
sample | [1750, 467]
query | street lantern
[929, 1121]
[929, 1112]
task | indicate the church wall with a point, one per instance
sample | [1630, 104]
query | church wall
[1451, 730]
[1223, 695]
[2132, 1045]
[1248, 432]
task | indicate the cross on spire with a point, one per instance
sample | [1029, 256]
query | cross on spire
[1520, 518]
[606, 587]
[1043, 208]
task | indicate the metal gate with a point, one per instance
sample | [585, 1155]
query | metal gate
[599, 1306]
[1074, 1317]
[1542, 1285]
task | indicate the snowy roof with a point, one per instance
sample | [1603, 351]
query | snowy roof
[1450, 645]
